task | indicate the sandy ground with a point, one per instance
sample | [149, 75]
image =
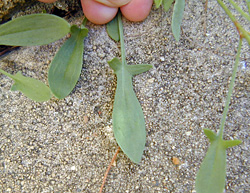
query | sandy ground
[66, 145]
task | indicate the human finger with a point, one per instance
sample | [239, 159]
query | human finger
[137, 10]
[98, 13]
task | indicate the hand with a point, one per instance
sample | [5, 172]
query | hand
[103, 11]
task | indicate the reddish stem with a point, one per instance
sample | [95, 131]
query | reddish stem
[107, 171]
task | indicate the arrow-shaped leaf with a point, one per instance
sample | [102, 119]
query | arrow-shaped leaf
[212, 173]
[128, 118]
[32, 88]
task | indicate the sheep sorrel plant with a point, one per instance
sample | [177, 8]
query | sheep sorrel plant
[128, 120]
[212, 173]
[127, 117]
[42, 29]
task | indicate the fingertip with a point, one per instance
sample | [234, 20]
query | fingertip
[98, 13]
[137, 10]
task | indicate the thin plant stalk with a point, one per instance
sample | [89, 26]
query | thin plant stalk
[212, 173]
[123, 52]
[244, 14]
[230, 90]
[84, 22]
[241, 30]
[108, 169]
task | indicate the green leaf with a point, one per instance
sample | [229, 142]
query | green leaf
[66, 66]
[212, 173]
[128, 118]
[113, 29]
[35, 29]
[32, 88]
[177, 18]
[167, 4]
[157, 3]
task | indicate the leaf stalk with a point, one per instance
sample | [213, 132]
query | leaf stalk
[123, 53]
[230, 90]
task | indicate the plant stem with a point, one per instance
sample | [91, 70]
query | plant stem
[243, 33]
[248, 6]
[7, 74]
[123, 53]
[230, 90]
[84, 21]
[107, 171]
[240, 10]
